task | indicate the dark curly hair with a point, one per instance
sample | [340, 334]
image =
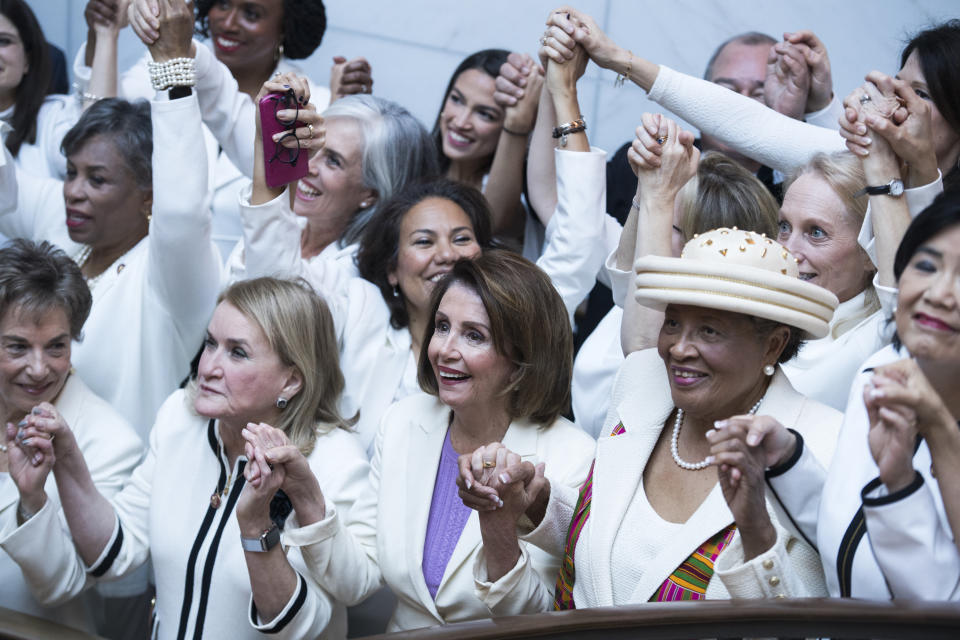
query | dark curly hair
[35, 86]
[377, 255]
[489, 61]
[304, 23]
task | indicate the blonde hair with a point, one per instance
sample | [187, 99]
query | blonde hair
[299, 328]
[843, 173]
[724, 194]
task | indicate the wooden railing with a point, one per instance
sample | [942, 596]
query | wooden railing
[20, 626]
[680, 620]
[805, 618]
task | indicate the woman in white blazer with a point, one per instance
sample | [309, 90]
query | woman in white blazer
[666, 515]
[886, 516]
[496, 364]
[45, 303]
[209, 515]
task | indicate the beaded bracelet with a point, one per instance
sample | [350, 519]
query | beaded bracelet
[563, 130]
[179, 72]
[622, 77]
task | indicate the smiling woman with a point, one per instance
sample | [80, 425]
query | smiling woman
[888, 513]
[45, 303]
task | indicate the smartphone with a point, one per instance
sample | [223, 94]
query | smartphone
[281, 165]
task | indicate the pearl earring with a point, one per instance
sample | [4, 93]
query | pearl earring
[769, 370]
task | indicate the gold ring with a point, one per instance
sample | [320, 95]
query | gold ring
[661, 139]
[310, 126]
[487, 464]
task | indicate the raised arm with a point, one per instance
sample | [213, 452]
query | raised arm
[105, 19]
[657, 190]
[741, 123]
[505, 182]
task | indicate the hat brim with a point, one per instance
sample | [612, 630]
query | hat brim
[736, 288]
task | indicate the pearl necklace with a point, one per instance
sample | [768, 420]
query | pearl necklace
[674, 449]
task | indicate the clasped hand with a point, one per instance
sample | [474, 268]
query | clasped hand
[493, 478]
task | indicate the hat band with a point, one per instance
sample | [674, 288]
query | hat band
[750, 283]
[766, 303]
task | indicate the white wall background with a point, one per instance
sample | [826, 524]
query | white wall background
[414, 45]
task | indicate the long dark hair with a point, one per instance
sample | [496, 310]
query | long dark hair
[35, 86]
[489, 61]
[939, 51]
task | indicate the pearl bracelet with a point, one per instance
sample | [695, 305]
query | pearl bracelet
[179, 72]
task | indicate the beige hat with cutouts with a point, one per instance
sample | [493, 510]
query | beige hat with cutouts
[738, 271]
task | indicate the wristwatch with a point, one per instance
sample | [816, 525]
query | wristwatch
[179, 92]
[267, 540]
[893, 188]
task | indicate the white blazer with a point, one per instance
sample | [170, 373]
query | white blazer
[165, 511]
[112, 450]
[151, 307]
[642, 402]
[873, 544]
[376, 359]
[386, 531]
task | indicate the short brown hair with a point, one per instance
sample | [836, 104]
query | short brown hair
[529, 325]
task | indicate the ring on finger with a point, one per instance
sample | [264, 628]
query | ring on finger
[543, 41]
[310, 127]
[661, 140]
[865, 99]
[489, 464]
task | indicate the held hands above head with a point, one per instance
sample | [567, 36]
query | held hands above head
[562, 75]
[742, 448]
[787, 84]
[106, 16]
[518, 92]
[566, 27]
[663, 158]
[798, 80]
[889, 108]
[165, 26]
[350, 77]
[511, 84]
[276, 463]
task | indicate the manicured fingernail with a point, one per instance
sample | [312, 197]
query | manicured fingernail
[861, 129]
[277, 136]
[753, 439]
[22, 423]
[505, 478]
[709, 459]
[710, 432]
[868, 140]
[720, 424]
[499, 502]
[469, 484]
[35, 411]
[876, 393]
[28, 441]
[37, 459]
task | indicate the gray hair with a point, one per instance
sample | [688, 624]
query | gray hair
[397, 151]
[127, 125]
[37, 277]
[748, 38]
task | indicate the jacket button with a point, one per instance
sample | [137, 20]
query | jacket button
[774, 581]
[768, 564]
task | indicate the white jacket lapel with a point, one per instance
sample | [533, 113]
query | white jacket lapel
[423, 456]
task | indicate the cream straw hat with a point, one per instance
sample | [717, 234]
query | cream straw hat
[738, 271]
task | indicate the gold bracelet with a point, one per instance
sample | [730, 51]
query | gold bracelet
[622, 77]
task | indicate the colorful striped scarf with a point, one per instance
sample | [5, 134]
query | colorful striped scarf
[688, 581]
[563, 595]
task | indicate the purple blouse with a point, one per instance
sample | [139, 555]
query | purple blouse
[448, 516]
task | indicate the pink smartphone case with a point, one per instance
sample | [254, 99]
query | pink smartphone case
[278, 172]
